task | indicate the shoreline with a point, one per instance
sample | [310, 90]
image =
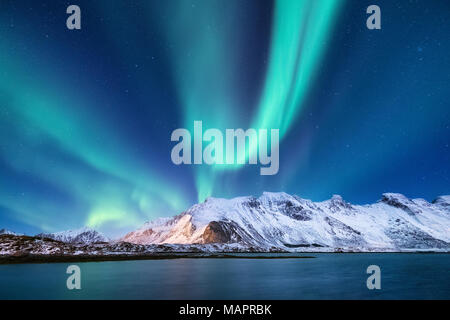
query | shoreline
[42, 259]
[124, 257]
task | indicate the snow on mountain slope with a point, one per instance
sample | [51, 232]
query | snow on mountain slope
[280, 220]
[84, 235]
[5, 231]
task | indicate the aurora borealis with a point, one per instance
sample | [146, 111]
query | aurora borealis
[86, 115]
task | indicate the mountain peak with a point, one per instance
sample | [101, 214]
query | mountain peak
[394, 195]
[443, 201]
[395, 199]
[337, 203]
[398, 200]
[268, 197]
[268, 194]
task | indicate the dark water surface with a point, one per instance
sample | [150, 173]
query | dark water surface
[328, 276]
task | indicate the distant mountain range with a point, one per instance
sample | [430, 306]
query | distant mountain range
[275, 222]
[5, 231]
[84, 235]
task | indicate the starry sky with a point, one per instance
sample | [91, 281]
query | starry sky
[86, 115]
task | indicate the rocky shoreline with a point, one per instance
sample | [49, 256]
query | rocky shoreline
[27, 249]
[127, 257]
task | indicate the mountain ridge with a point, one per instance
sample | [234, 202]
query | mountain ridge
[83, 235]
[287, 222]
[284, 222]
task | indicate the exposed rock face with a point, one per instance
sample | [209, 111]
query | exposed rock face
[338, 204]
[223, 232]
[442, 201]
[216, 232]
[401, 202]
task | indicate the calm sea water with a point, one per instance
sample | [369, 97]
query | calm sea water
[328, 276]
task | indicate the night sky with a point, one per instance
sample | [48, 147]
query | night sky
[86, 115]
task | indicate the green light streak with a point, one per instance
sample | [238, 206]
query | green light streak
[204, 70]
[47, 112]
[201, 35]
[300, 34]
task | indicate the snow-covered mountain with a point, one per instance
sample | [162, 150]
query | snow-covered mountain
[5, 231]
[280, 220]
[84, 235]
